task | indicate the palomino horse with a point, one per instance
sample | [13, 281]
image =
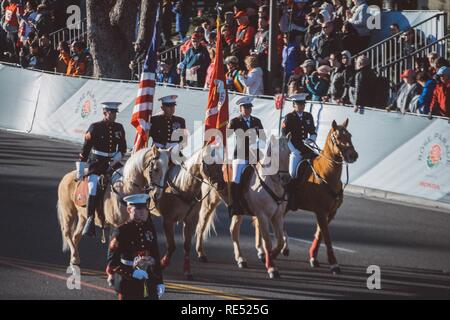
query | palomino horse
[321, 191]
[265, 198]
[182, 198]
[146, 169]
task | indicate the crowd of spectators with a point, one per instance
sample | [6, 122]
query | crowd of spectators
[25, 39]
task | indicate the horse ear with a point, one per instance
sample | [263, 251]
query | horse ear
[346, 123]
[334, 125]
[155, 151]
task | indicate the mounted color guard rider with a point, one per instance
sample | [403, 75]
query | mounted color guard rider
[133, 266]
[246, 123]
[300, 125]
[163, 125]
[104, 146]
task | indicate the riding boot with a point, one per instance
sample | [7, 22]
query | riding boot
[89, 228]
[236, 204]
[292, 198]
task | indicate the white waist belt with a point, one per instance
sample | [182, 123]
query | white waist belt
[127, 262]
[103, 154]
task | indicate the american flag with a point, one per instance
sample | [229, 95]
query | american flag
[143, 105]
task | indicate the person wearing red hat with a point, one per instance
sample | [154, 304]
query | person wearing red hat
[195, 63]
[406, 93]
[244, 35]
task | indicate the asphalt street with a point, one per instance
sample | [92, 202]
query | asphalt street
[410, 245]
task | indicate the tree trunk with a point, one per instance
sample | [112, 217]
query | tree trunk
[147, 12]
[111, 29]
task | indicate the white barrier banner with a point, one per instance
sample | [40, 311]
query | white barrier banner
[405, 154]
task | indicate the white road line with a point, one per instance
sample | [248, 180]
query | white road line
[322, 245]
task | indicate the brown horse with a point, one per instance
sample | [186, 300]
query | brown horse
[265, 197]
[319, 188]
[182, 199]
[146, 168]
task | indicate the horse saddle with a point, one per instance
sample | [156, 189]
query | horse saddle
[81, 193]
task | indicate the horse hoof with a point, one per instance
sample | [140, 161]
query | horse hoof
[189, 276]
[262, 257]
[335, 270]
[285, 252]
[314, 263]
[274, 275]
[75, 268]
[243, 265]
[203, 259]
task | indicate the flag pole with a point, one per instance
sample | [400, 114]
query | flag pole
[225, 144]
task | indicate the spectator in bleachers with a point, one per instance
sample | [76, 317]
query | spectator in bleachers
[358, 17]
[33, 60]
[48, 54]
[138, 61]
[44, 20]
[340, 11]
[337, 78]
[227, 39]
[361, 93]
[408, 90]
[428, 86]
[327, 43]
[195, 63]
[166, 22]
[262, 41]
[167, 72]
[10, 23]
[244, 35]
[61, 66]
[298, 20]
[183, 11]
[290, 55]
[232, 76]
[394, 29]
[350, 39]
[316, 10]
[318, 83]
[440, 103]
[28, 21]
[253, 81]
[231, 22]
[432, 57]
[210, 70]
[77, 61]
[264, 11]
[313, 28]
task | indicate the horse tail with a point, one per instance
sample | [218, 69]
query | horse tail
[60, 213]
[210, 225]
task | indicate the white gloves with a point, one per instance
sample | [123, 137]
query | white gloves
[160, 289]
[80, 170]
[140, 274]
[117, 157]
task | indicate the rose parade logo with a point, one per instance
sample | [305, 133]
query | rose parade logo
[435, 151]
[87, 105]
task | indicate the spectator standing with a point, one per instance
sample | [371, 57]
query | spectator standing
[298, 24]
[312, 30]
[253, 81]
[166, 22]
[290, 55]
[77, 61]
[339, 16]
[432, 57]
[33, 60]
[27, 22]
[44, 20]
[350, 39]
[428, 85]
[48, 54]
[440, 103]
[327, 43]
[209, 72]
[61, 66]
[364, 82]
[262, 41]
[138, 61]
[358, 17]
[195, 64]
[10, 24]
[182, 10]
[244, 35]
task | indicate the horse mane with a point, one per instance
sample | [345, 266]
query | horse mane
[135, 164]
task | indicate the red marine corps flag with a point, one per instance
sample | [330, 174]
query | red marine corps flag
[143, 105]
[217, 108]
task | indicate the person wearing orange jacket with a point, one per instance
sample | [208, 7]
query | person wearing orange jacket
[440, 103]
[77, 62]
[244, 35]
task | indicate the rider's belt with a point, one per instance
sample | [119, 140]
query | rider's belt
[127, 262]
[102, 154]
